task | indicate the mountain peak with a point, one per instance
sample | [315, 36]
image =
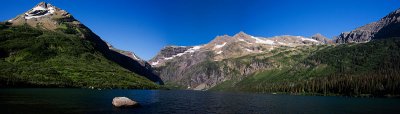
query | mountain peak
[42, 4]
[397, 11]
[45, 15]
[317, 35]
[393, 14]
[40, 10]
[241, 34]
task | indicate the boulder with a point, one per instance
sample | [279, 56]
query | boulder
[124, 102]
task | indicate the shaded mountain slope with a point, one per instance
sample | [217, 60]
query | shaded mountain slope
[32, 57]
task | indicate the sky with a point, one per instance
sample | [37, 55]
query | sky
[146, 26]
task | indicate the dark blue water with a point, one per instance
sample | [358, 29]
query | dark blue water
[186, 102]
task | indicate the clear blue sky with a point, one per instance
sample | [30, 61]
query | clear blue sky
[145, 26]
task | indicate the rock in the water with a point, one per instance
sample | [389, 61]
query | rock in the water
[124, 102]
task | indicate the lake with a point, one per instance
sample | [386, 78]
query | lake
[180, 101]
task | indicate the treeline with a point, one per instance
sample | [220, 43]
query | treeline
[370, 85]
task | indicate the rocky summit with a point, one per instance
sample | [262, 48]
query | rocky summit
[44, 15]
[386, 27]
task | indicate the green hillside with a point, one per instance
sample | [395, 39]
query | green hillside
[365, 69]
[31, 57]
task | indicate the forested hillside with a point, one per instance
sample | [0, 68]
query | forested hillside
[33, 57]
[365, 69]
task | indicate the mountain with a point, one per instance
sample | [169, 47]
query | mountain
[386, 27]
[290, 64]
[65, 53]
[204, 66]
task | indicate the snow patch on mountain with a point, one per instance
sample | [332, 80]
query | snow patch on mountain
[38, 8]
[308, 39]
[242, 40]
[190, 50]
[135, 57]
[263, 41]
[219, 46]
[193, 49]
[51, 10]
[155, 63]
[39, 11]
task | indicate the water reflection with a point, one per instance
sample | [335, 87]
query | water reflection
[161, 101]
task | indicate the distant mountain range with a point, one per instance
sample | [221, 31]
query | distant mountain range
[294, 64]
[241, 44]
[48, 47]
[177, 61]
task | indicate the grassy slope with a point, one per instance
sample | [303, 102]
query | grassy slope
[39, 58]
[352, 69]
[279, 60]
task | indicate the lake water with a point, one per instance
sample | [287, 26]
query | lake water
[186, 102]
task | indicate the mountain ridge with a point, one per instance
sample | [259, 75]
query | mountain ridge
[220, 41]
[174, 63]
[383, 28]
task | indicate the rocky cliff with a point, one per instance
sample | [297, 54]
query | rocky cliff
[386, 27]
